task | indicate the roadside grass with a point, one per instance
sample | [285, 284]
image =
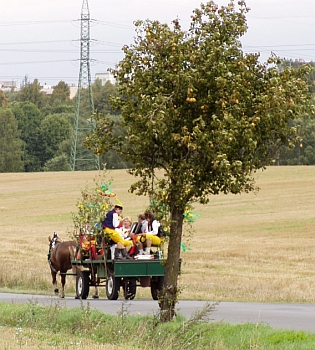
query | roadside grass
[248, 247]
[30, 325]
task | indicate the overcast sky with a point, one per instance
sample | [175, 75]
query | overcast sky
[40, 38]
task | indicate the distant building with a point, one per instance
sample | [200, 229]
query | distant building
[104, 77]
[47, 89]
[73, 91]
[8, 85]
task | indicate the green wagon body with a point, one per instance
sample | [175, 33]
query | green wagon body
[140, 268]
[125, 268]
[117, 274]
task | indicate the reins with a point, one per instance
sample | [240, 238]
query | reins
[50, 264]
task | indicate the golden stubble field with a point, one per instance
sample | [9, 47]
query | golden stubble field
[245, 248]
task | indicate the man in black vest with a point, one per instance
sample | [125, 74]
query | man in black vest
[111, 222]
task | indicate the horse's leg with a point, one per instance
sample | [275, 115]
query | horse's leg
[54, 281]
[63, 282]
[95, 295]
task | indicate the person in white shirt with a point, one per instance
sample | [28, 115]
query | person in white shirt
[151, 236]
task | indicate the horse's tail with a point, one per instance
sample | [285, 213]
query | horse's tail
[72, 252]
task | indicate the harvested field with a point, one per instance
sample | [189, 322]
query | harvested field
[249, 247]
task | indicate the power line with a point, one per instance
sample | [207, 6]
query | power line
[284, 45]
[290, 49]
[57, 51]
[35, 42]
[32, 62]
[22, 23]
[54, 61]
[97, 42]
[279, 17]
[111, 24]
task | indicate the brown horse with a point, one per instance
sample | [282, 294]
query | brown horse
[59, 258]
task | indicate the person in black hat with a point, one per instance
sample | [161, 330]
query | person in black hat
[111, 222]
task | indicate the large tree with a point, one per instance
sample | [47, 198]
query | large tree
[197, 107]
[54, 130]
[29, 118]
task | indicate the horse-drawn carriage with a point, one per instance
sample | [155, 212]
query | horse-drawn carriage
[93, 264]
[96, 267]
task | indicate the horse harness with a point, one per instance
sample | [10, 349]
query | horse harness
[54, 241]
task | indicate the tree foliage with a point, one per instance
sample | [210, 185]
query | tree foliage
[29, 118]
[284, 63]
[30, 92]
[93, 205]
[44, 137]
[61, 93]
[197, 107]
[101, 95]
[10, 143]
[4, 102]
[303, 152]
[54, 129]
[58, 163]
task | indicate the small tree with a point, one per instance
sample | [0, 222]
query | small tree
[58, 163]
[194, 105]
[93, 205]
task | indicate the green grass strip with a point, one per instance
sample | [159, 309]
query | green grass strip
[146, 332]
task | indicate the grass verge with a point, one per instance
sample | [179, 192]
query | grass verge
[31, 326]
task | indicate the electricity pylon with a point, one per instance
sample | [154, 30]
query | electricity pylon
[82, 158]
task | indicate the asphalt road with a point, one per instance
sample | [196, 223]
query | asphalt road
[282, 316]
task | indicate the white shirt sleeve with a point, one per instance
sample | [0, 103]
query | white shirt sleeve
[155, 228]
[116, 221]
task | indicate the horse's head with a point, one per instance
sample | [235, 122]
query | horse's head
[53, 241]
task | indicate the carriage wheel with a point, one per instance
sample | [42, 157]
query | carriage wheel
[156, 286]
[112, 286]
[82, 284]
[130, 288]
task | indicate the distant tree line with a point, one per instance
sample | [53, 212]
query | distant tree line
[302, 152]
[36, 130]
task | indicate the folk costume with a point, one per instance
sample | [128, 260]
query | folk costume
[110, 223]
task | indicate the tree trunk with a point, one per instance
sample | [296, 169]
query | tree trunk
[169, 294]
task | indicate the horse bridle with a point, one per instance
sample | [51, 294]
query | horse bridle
[55, 239]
